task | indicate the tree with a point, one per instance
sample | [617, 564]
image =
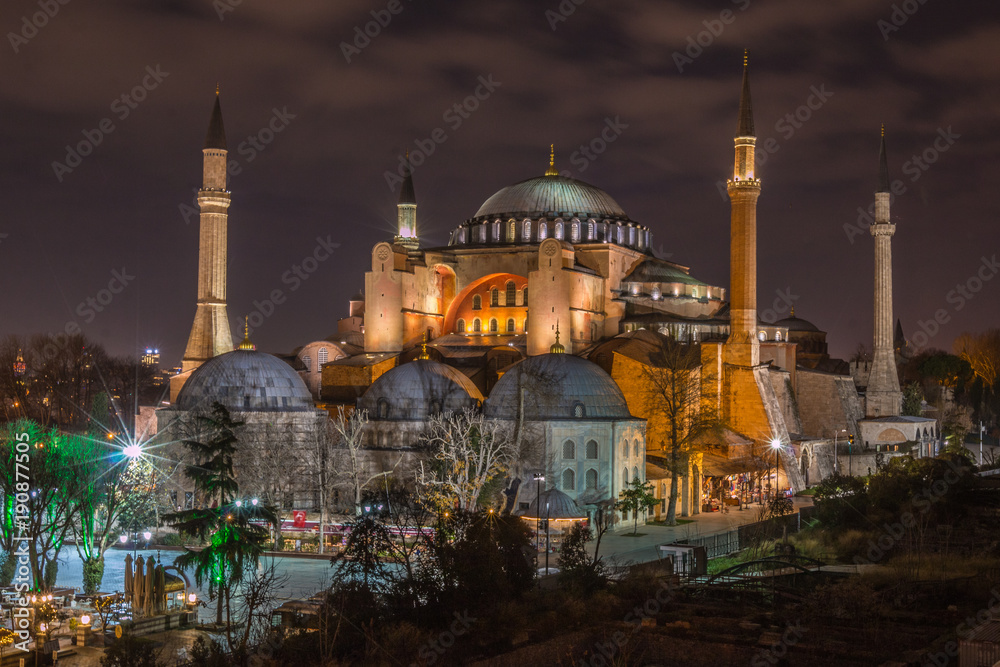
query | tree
[130, 651]
[913, 399]
[675, 403]
[350, 432]
[235, 530]
[468, 451]
[982, 352]
[636, 497]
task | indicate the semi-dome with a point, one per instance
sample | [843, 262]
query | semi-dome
[554, 505]
[793, 323]
[417, 389]
[557, 386]
[552, 196]
[246, 381]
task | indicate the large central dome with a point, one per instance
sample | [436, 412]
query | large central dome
[551, 196]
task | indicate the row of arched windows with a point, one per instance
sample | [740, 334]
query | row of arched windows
[510, 297]
[569, 479]
[625, 478]
[634, 447]
[589, 231]
[493, 326]
[569, 449]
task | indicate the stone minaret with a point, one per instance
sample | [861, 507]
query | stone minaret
[210, 333]
[406, 233]
[742, 348]
[883, 397]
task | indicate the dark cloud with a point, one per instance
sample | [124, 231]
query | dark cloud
[324, 174]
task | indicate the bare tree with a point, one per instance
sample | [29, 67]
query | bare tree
[468, 451]
[350, 432]
[674, 400]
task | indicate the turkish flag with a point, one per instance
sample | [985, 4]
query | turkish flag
[299, 519]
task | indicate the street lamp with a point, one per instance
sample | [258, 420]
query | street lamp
[836, 458]
[539, 478]
[132, 451]
[775, 445]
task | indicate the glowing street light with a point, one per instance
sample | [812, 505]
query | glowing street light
[133, 451]
[123, 539]
[775, 445]
[146, 535]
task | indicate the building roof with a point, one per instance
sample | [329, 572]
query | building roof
[551, 196]
[557, 386]
[246, 381]
[654, 270]
[554, 504]
[898, 419]
[419, 388]
[216, 137]
[793, 323]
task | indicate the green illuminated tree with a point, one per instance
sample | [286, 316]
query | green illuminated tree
[235, 531]
[636, 497]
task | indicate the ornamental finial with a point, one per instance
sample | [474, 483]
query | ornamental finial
[746, 57]
[551, 171]
[246, 344]
[423, 349]
[557, 347]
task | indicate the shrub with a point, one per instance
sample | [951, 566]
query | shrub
[93, 574]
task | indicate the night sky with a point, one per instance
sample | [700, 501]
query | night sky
[927, 76]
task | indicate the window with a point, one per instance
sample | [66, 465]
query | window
[635, 449]
[477, 326]
[635, 473]
[591, 449]
[493, 325]
[307, 360]
[510, 325]
[591, 479]
[578, 410]
[777, 336]
[626, 449]
[543, 231]
[525, 302]
[460, 326]
[568, 480]
[511, 293]
[527, 231]
[762, 336]
[569, 450]
[559, 230]
[591, 230]
[494, 297]
[625, 477]
[511, 231]
[496, 231]
[173, 499]
[322, 356]
[477, 302]
[574, 234]
[383, 408]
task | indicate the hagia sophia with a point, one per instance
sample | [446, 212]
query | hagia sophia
[548, 307]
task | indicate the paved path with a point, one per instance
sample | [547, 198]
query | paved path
[622, 546]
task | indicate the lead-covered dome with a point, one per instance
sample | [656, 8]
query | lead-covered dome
[557, 386]
[415, 390]
[551, 196]
[246, 381]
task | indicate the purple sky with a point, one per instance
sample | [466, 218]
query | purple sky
[324, 172]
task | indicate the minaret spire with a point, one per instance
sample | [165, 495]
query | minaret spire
[552, 171]
[743, 348]
[210, 333]
[883, 397]
[406, 211]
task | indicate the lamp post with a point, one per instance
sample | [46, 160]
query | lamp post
[775, 445]
[982, 429]
[836, 458]
[539, 478]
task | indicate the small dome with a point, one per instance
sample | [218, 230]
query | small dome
[796, 324]
[551, 195]
[417, 389]
[555, 505]
[246, 381]
[558, 386]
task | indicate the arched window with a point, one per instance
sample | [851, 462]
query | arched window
[383, 408]
[496, 231]
[511, 293]
[322, 356]
[493, 325]
[578, 410]
[591, 449]
[574, 233]
[762, 336]
[525, 301]
[635, 449]
[543, 230]
[307, 361]
[625, 477]
[510, 325]
[460, 326]
[477, 302]
[477, 326]
[777, 336]
[569, 450]
[591, 230]
[526, 234]
[511, 231]
[635, 473]
[494, 297]
[568, 480]
[559, 229]
[591, 479]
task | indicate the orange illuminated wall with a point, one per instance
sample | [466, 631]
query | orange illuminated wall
[463, 306]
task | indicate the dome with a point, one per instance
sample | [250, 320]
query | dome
[555, 505]
[796, 324]
[558, 386]
[246, 381]
[552, 196]
[416, 389]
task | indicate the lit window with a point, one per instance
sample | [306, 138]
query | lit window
[511, 293]
[494, 297]
[578, 410]
[762, 336]
[493, 325]
[510, 325]
[777, 336]
[477, 302]
[322, 356]
[477, 326]
[460, 326]
[527, 231]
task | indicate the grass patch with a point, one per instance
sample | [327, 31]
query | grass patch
[807, 492]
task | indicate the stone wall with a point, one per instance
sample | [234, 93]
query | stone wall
[827, 404]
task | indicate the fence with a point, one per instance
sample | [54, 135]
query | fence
[723, 544]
